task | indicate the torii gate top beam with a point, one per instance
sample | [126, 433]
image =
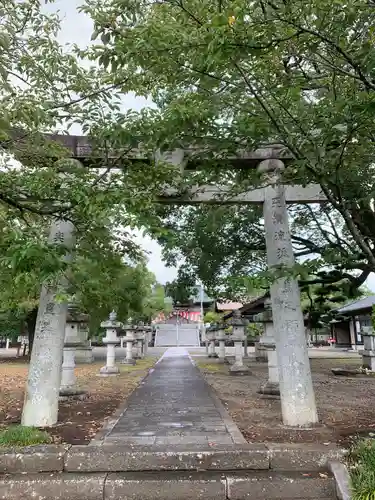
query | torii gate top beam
[81, 149]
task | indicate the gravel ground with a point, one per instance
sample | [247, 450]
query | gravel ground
[345, 405]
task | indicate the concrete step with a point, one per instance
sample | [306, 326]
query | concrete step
[169, 486]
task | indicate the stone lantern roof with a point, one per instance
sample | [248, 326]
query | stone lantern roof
[75, 316]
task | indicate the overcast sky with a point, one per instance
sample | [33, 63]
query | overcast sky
[77, 28]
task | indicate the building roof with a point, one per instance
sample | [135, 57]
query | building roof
[357, 305]
[228, 306]
[251, 308]
[195, 296]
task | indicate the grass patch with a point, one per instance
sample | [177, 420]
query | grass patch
[362, 470]
[17, 435]
[141, 364]
[210, 367]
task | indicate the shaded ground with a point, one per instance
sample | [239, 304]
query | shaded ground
[345, 405]
[79, 421]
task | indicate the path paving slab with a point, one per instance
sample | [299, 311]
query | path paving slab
[173, 406]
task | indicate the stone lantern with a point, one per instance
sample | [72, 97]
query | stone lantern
[221, 337]
[368, 353]
[130, 332]
[211, 337]
[76, 332]
[112, 328]
[238, 337]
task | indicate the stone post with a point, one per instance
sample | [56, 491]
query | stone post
[221, 337]
[246, 347]
[211, 335]
[206, 341]
[129, 339]
[7, 344]
[238, 337]
[139, 338]
[296, 389]
[368, 354]
[148, 332]
[111, 339]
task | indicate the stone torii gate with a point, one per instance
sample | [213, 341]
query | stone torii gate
[296, 390]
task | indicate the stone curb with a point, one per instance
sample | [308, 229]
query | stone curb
[311, 457]
[120, 458]
[52, 486]
[32, 459]
[342, 480]
[232, 428]
[167, 486]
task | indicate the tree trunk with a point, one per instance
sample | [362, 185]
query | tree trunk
[42, 391]
[31, 325]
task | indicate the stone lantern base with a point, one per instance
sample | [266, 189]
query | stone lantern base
[270, 390]
[239, 370]
[131, 362]
[67, 393]
[108, 371]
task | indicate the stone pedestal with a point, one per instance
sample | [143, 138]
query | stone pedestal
[129, 359]
[76, 331]
[211, 337]
[68, 388]
[260, 351]
[238, 368]
[245, 347]
[221, 339]
[129, 339]
[148, 338]
[368, 353]
[238, 337]
[139, 346]
[111, 340]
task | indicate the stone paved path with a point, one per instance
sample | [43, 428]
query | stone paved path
[174, 406]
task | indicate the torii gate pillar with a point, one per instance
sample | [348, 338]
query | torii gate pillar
[296, 390]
